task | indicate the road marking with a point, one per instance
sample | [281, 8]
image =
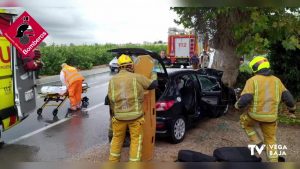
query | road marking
[94, 107]
[92, 83]
[38, 131]
[50, 125]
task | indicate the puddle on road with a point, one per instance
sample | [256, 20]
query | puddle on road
[20, 153]
[40, 118]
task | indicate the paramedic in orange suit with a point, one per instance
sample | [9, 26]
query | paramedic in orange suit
[70, 77]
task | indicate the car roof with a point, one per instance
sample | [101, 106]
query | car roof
[204, 72]
[181, 72]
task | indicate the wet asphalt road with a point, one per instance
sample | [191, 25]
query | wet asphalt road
[51, 139]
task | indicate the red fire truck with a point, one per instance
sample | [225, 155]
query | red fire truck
[182, 45]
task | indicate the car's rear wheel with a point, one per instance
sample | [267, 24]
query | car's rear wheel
[178, 129]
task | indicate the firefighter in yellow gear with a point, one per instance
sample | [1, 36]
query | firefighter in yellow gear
[125, 97]
[261, 95]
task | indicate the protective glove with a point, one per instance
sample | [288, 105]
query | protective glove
[292, 109]
[236, 105]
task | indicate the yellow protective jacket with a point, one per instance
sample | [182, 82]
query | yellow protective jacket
[264, 92]
[71, 75]
[126, 94]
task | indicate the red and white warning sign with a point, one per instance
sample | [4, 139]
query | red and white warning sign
[25, 34]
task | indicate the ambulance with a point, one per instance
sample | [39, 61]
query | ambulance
[17, 85]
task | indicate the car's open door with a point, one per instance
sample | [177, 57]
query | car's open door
[25, 87]
[228, 94]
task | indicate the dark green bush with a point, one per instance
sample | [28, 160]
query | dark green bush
[241, 79]
[286, 66]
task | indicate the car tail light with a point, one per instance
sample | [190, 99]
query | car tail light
[164, 105]
[160, 125]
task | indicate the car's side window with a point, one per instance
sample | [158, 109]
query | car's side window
[187, 80]
[158, 67]
[208, 84]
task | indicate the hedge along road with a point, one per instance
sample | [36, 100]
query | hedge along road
[50, 139]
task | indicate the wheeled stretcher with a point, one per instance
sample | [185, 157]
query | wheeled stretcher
[59, 94]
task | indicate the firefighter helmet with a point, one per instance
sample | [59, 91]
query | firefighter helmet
[124, 60]
[258, 63]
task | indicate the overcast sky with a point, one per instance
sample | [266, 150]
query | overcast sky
[98, 21]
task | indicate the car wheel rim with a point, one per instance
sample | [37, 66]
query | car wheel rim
[179, 129]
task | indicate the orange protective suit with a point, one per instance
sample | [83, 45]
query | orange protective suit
[75, 91]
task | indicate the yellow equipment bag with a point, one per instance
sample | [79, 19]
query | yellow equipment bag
[144, 65]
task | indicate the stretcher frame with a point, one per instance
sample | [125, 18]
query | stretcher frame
[56, 97]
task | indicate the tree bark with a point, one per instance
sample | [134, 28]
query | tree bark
[227, 61]
[225, 58]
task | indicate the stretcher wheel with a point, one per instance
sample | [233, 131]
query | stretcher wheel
[54, 112]
[39, 111]
[85, 102]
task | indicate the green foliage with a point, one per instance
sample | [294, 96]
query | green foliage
[244, 74]
[83, 56]
[245, 68]
[288, 120]
[266, 27]
[250, 30]
[285, 64]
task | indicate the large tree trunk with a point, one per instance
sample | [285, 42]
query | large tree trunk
[226, 58]
[227, 61]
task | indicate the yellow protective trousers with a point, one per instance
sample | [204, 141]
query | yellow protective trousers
[269, 134]
[136, 139]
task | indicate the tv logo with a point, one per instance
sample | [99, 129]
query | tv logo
[274, 149]
[258, 149]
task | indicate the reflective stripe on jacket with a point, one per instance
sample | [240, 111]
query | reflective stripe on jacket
[126, 95]
[71, 75]
[266, 91]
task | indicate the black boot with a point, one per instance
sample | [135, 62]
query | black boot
[281, 159]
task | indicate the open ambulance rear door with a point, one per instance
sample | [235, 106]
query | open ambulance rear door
[17, 96]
